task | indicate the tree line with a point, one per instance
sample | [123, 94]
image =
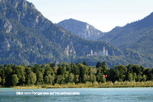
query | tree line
[12, 75]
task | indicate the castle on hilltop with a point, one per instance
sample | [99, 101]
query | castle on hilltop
[100, 53]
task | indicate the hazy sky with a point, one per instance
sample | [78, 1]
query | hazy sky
[102, 14]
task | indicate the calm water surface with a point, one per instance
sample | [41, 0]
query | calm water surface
[77, 95]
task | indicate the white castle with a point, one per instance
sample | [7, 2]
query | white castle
[104, 52]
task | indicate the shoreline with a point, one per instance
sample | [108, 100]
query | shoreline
[125, 84]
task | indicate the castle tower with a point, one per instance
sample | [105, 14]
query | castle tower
[103, 49]
[91, 52]
[106, 52]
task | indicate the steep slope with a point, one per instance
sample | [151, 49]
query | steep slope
[81, 29]
[123, 37]
[20, 44]
[27, 36]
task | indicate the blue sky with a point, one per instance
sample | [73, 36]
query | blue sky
[102, 14]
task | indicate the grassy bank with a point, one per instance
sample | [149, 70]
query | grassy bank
[91, 85]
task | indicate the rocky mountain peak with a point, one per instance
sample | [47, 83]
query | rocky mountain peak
[81, 29]
[24, 12]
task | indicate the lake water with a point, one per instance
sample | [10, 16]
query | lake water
[77, 95]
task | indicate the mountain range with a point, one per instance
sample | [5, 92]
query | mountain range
[120, 37]
[26, 36]
[134, 39]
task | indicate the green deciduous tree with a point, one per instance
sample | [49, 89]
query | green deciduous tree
[8, 70]
[3, 81]
[92, 78]
[104, 67]
[1, 66]
[84, 80]
[8, 75]
[90, 71]
[120, 72]
[83, 71]
[60, 79]
[144, 78]
[84, 63]
[15, 79]
[52, 65]
[49, 79]
[142, 68]
[130, 77]
[42, 70]
[31, 78]
[99, 70]
[76, 78]
[46, 79]
[75, 70]
[100, 77]
[0, 79]
[136, 69]
[98, 65]
[39, 78]
[61, 69]
[147, 72]
[71, 78]
[134, 76]
[20, 71]
[138, 78]
[49, 71]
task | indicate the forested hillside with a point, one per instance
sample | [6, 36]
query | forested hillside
[123, 37]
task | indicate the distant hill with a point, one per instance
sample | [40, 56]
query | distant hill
[81, 29]
[123, 37]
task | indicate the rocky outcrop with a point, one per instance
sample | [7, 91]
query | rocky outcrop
[7, 43]
[69, 50]
[8, 27]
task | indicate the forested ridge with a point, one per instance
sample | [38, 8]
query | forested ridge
[63, 73]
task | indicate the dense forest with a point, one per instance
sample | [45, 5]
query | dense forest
[19, 75]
